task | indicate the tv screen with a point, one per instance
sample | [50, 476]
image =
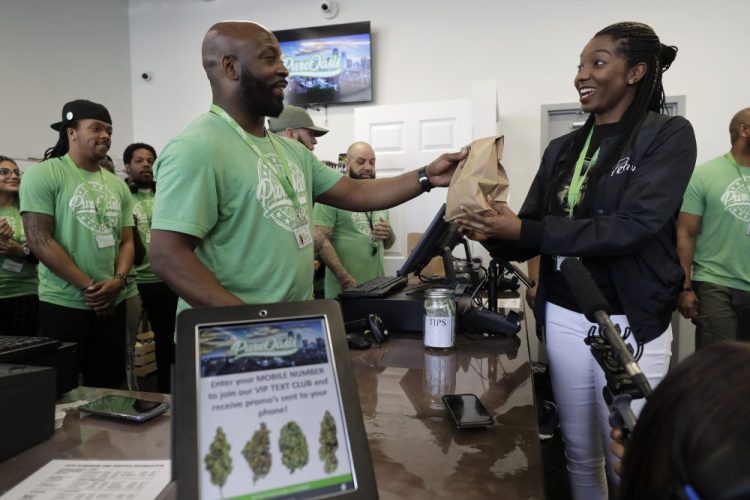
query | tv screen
[327, 64]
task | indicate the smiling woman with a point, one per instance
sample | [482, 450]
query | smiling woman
[607, 194]
[19, 303]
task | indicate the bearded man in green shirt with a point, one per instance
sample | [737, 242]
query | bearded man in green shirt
[713, 242]
[352, 244]
[232, 213]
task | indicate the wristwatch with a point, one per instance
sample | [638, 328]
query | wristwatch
[424, 180]
[26, 250]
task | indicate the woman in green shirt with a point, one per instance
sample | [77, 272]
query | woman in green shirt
[19, 303]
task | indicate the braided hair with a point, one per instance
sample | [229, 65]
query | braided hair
[637, 43]
[62, 146]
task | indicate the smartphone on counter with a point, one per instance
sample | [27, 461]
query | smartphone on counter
[467, 411]
[125, 408]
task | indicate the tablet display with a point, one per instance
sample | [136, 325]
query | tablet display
[271, 419]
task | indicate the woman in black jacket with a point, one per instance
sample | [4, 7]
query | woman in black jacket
[608, 194]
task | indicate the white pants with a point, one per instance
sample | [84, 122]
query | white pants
[577, 382]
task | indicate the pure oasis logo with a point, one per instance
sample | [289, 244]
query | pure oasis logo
[315, 65]
[736, 199]
[270, 193]
[282, 344]
[95, 207]
[141, 211]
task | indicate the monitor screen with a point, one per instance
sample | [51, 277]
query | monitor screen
[271, 418]
[327, 64]
[438, 236]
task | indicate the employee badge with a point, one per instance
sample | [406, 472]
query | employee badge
[12, 266]
[302, 232]
[105, 240]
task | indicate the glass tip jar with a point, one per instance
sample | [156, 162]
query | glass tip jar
[439, 319]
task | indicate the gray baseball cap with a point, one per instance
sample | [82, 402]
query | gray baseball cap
[294, 117]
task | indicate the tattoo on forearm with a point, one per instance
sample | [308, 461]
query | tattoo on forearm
[39, 229]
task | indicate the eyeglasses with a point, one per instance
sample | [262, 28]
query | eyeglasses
[8, 171]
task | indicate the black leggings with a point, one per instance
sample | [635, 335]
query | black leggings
[101, 342]
[160, 303]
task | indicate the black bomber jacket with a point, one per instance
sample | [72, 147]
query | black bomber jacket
[631, 229]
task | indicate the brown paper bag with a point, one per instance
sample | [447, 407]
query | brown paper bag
[478, 175]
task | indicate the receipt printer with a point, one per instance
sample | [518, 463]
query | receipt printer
[27, 399]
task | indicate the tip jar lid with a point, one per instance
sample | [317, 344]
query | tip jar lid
[439, 292]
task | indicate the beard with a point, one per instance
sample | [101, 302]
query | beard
[144, 183]
[258, 96]
[355, 175]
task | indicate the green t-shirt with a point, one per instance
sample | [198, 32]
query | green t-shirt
[214, 187]
[90, 210]
[719, 191]
[143, 208]
[353, 244]
[17, 277]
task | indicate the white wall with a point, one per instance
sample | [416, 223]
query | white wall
[52, 52]
[435, 49]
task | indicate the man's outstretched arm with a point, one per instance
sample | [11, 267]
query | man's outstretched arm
[379, 194]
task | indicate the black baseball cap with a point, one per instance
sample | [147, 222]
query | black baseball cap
[81, 109]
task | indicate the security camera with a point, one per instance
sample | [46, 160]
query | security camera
[146, 76]
[329, 8]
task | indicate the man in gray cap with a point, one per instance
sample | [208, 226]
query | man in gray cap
[294, 123]
[78, 219]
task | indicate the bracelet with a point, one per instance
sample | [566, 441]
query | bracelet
[124, 278]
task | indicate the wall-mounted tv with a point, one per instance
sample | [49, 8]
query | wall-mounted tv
[328, 64]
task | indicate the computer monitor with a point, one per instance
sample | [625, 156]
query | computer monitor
[438, 240]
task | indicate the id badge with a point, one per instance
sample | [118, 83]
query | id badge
[303, 236]
[302, 230]
[12, 265]
[559, 260]
[105, 240]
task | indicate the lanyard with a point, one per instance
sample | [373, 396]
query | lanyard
[729, 157]
[100, 211]
[284, 180]
[578, 179]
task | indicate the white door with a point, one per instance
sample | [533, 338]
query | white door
[406, 137]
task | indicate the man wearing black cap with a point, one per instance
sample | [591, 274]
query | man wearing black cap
[294, 123]
[79, 222]
[232, 213]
